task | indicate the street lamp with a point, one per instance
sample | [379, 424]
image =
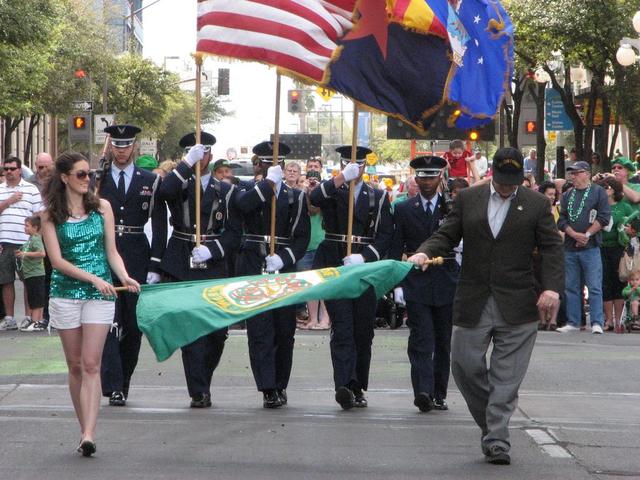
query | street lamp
[626, 54]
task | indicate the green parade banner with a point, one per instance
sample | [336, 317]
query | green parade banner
[172, 315]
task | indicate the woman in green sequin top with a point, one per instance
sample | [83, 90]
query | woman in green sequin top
[78, 230]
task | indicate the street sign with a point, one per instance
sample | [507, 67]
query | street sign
[556, 117]
[553, 136]
[100, 122]
[325, 93]
[82, 106]
[148, 146]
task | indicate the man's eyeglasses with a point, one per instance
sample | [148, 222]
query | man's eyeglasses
[41, 167]
[10, 169]
[81, 174]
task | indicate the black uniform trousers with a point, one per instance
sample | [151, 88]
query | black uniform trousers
[120, 355]
[270, 335]
[352, 331]
[201, 357]
[429, 348]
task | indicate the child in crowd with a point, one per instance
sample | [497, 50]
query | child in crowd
[457, 158]
[631, 294]
[31, 256]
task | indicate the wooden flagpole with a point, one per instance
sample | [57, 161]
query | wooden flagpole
[352, 183]
[276, 152]
[198, 140]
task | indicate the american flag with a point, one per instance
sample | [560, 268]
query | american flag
[296, 35]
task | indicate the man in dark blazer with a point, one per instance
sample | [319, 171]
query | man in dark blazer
[271, 334]
[219, 236]
[133, 195]
[352, 321]
[428, 295]
[502, 224]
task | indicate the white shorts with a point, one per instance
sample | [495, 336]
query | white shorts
[66, 313]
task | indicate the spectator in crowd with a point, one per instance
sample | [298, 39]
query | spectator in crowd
[622, 168]
[458, 159]
[148, 162]
[318, 318]
[548, 319]
[221, 170]
[19, 200]
[531, 163]
[584, 211]
[82, 295]
[611, 252]
[30, 257]
[292, 174]
[302, 182]
[44, 168]
[595, 158]
[482, 163]
[631, 294]
[409, 189]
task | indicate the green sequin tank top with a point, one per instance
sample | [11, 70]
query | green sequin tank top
[82, 244]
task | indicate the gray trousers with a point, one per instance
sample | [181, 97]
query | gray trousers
[491, 392]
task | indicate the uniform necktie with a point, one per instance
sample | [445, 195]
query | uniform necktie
[121, 189]
[428, 211]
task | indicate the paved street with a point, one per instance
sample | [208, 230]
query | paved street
[579, 418]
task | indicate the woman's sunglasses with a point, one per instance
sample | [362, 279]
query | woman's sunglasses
[81, 174]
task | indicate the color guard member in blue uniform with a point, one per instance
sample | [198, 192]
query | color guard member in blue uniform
[183, 260]
[429, 294]
[133, 195]
[352, 321]
[271, 334]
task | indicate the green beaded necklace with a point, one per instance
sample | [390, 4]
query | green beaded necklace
[573, 216]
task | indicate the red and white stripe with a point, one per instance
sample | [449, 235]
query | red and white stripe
[298, 35]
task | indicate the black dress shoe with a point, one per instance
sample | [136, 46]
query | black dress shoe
[440, 404]
[117, 399]
[271, 399]
[201, 400]
[282, 394]
[345, 398]
[424, 402]
[497, 455]
[359, 400]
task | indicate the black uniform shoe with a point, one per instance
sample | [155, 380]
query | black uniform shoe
[345, 398]
[117, 399]
[440, 404]
[497, 455]
[359, 401]
[271, 399]
[201, 400]
[424, 402]
[282, 393]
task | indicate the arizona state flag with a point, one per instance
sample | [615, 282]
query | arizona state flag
[172, 315]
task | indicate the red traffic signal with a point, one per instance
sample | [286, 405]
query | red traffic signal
[295, 101]
[474, 136]
[531, 126]
[79, 122]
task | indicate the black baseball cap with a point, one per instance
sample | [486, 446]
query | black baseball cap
[508, 166]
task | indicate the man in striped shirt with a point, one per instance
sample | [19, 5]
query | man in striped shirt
[19, 199]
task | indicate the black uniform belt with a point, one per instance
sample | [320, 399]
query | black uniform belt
[334, 237]
[129, 229]
[265, 239]
[191, 237]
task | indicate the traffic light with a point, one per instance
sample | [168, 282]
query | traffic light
[296, 102]
[473, 136]
[531, 126]
[79, 122]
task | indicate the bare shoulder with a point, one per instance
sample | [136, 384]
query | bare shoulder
[105, 206]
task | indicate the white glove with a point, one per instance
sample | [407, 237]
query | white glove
[274, 174]
[201, 254]
[398, 296]
[351, 172]
[196, 153]
[353, 259]
[274, 262]
[153, 277]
